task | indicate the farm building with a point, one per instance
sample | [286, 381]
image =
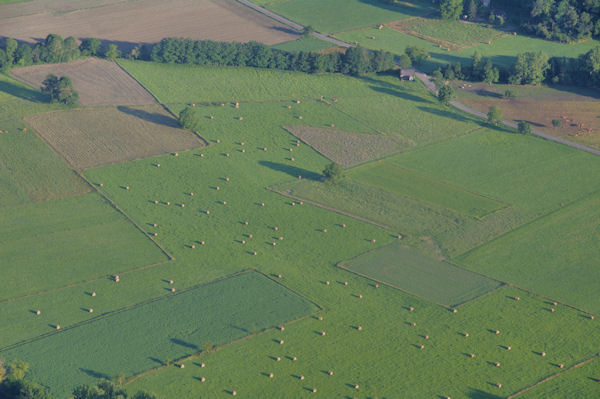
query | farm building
[407, 74]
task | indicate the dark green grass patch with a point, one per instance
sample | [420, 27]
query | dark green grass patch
[55, 243]
[328, 16]
[309, 43]
[556, 256]
[411, 271]
[160, 331]
[389, 176]
[388, 347]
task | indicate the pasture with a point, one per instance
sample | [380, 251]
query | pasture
[145, 21]
[386, 175]
[581, 382]
[339, 15]
[555, 256]
[411, 271]
[539, 105]
[310, 43]
[52, 244]
[346, 148]
[97, 81]
[91, 137]
[158, 332]
[29, 170]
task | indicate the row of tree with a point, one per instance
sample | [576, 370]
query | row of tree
[529, 68]
[354, 61]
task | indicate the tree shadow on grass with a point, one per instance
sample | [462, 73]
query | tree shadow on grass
[184, 343]
[95, 374]
[450, 114]
[479, 394]
[292, 170]
[401, 94]
[152, 117]
[24, 93]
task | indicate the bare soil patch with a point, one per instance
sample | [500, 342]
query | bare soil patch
[98, 82]
[538, 106]
[346, 148]
[141, 21]
[87, 138]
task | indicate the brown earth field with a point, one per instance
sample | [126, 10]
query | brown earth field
[577, 109]
[346, 148]
[140, 21]
[92, 137]
[97, 81]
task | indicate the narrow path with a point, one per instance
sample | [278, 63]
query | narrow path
[292, 24]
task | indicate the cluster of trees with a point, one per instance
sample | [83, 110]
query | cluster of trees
[562, 20]
[106, 389]
[60, 90]
[355, 61]
[13, 384]
[53, 49]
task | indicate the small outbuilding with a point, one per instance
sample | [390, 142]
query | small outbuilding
[407, 74]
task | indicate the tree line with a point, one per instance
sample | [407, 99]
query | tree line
[354, 61]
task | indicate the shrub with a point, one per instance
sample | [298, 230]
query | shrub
[556, 122]
[333, 173]
[524, 127]
[494, 115]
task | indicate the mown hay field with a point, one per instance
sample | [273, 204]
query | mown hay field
[346, 148]
[29, 170]
[424, 276]
[160, 331]
[389, 341]
[145, 21]
[555, 256]
[389, 176]
[52, 244]
[91, 137]
[97, 81]
[328, 16]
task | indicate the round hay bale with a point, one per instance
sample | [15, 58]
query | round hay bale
[158, 165]
[421, 346]
[227, 179]
[254, 253]
[323, 333]
[297, 145]
[265, 149]
[182, 205]
[314, 390]
[202, 243]
[373, 241]
[508, 347]
[193, 246]
[275, 228]
[360, 296]
[90, 310]
[591, 317]
[294, 358]
[94, 293]
[297, 101]
[399, 236]
[271, 375]
[173, 289]
[207, 212]
[301, 203]
[345, 283]
[499, 385]
[245, 223]
[560, 365]
[101, 184]
[330, 372]
[327, 282]
[359, 328]
[301, 377]
[292, 159]
[277, 359]
[273, 243]
[410, 308]
[191, 194]
[332, 125]
[466, 334]
[224, 202]
[299, 177]
[176, 154]
[250, 235]
[126, 187]
[168, 203]
[497, 364]
[289, 107]
[281, 328]
[291, 149]
[154, 225]
[376, 285]
[471, 355]
[281, 342]
[543, 354]
[343, 225]
[233, 393]
[202, 379]
[517, 298]
[555, 303]
[242, 144]
[227, 154]
[38, 312]
[300, 117]
[155, 202]
[243, 150]
[426, 337]
[356, 386]
[212, 117]
[279, 276]
[320, 318]
[497, 332]
[182, 366]
[58, 327]
[202, 365]
[324, 230]
[280, 238]
[155, 234]
[552, 310]
[222, 104]
[413, 324]
[454, 310]
[171, 282]
[243, 241]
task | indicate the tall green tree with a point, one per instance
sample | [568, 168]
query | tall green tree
[451, 9]
[494, 115]
[529, 68]
[111, 52]
[11, 47]
[60, 90]
[23, 55]
[416, 54]
[333, 173]
[445, 95]
[189, 118]
[90, 47]
[524, 127]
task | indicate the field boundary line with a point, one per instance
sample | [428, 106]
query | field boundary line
[123, 309]
[329, 208]
[552, 376]
[525, 224]
[551, 299]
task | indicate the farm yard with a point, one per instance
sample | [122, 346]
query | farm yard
[453, 258]
[145, 21]
[98, 82]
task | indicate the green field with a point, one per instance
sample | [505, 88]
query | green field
[158, 332]
[309, 43]
[389, 176]
[555, 256]
[426, 277]
[577, 383]
[29, 170]
[328, 16]
[55, 243]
